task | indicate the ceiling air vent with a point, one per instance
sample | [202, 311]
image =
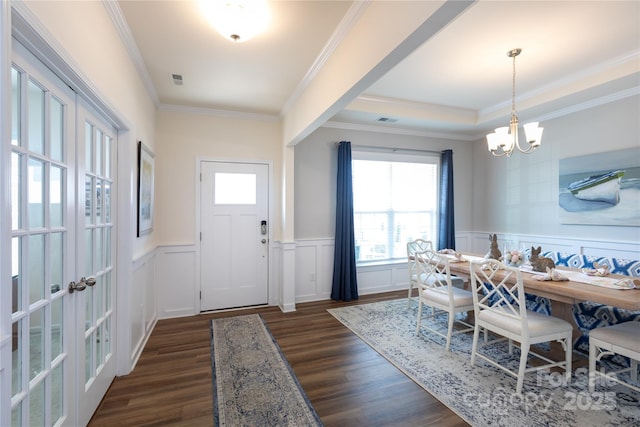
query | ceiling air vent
[387, 120]
[177, 79]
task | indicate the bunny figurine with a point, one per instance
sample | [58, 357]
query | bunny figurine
[494, 252]
[540, 263]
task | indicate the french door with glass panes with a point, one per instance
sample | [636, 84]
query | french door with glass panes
[62, 318]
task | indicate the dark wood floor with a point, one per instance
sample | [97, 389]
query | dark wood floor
[348, 383]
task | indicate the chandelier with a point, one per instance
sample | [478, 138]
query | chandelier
[237, 20]
[503, 141]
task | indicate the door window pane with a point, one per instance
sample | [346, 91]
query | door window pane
[57, 394]
[107, 201]
[17, 330]
[16, 185]
[99, 250]
[36, 405]
[36, 268]
[88, 200]
[99, 201]
[57, 261]
[35, 118]
[235, 189]
[57, 129]
[56, 328]
[98, 148]
[16, 274]
[88, 358]
[107, 157]
[16, 78]
[36, 193]
[88, 147]
[88, 251]
[56, 190]
[107, 291]
[36, 343]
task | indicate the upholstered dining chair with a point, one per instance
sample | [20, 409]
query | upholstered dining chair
[622, 339]
[436, 290]
[413, 247]
[499, 305]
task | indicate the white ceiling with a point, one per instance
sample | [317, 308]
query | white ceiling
[575, 53]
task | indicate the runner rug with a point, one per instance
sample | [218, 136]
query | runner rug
[253, 384]
[483, 395]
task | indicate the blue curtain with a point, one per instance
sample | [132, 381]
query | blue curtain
[345, 286]
[446, 227]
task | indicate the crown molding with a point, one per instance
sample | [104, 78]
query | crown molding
[344, 27]
[398, 131]
[203, 111]
[122, 27]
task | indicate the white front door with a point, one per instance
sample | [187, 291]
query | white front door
[234, 226]
[62, 291]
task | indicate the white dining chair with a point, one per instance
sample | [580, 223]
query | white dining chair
[622, 339]
[413, 247]
[437, 291]
[499, 305]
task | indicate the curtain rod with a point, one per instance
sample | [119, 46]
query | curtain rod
[394, 150]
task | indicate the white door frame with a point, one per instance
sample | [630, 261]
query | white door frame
[272, 288]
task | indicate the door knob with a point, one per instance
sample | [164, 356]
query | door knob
[82, 284]
[264, 240]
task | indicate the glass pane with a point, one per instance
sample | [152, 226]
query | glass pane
[107, 157]
[55, 197]
[88, 358]
[36, 194]
[88, 199]
[88, 147]
[99, 201]
[36, 118]
[99, 250]
[15, 106]
[107, 201]
[16, 274]
[106, 337]
[56, 328]
[57, 129]
[36, 268]
[16, 415]
[16, 184]
[107, 291]
[99, 347]
[89, 317]
[235, 189]
[17, 330]
[107, 246]
[57, 393]
[98, 294]
[98, 148]
[88, 252]
[36, 343]
[37, 405]
[57, 259]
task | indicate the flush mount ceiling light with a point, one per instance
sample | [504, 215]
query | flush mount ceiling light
[237, 20]
[505, 139]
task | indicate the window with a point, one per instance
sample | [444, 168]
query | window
[395, 198]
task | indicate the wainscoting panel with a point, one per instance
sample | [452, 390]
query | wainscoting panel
[314, 269]
[177, 281]
[143, 312]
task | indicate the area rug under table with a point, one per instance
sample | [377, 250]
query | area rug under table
[483, 395]
[253, 385]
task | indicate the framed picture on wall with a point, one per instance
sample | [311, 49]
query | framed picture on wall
[146, 172]
[601, 188]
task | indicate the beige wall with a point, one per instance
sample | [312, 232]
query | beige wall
[183, 137]
[520, 194]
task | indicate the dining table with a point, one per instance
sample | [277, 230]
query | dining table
[579, 287]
